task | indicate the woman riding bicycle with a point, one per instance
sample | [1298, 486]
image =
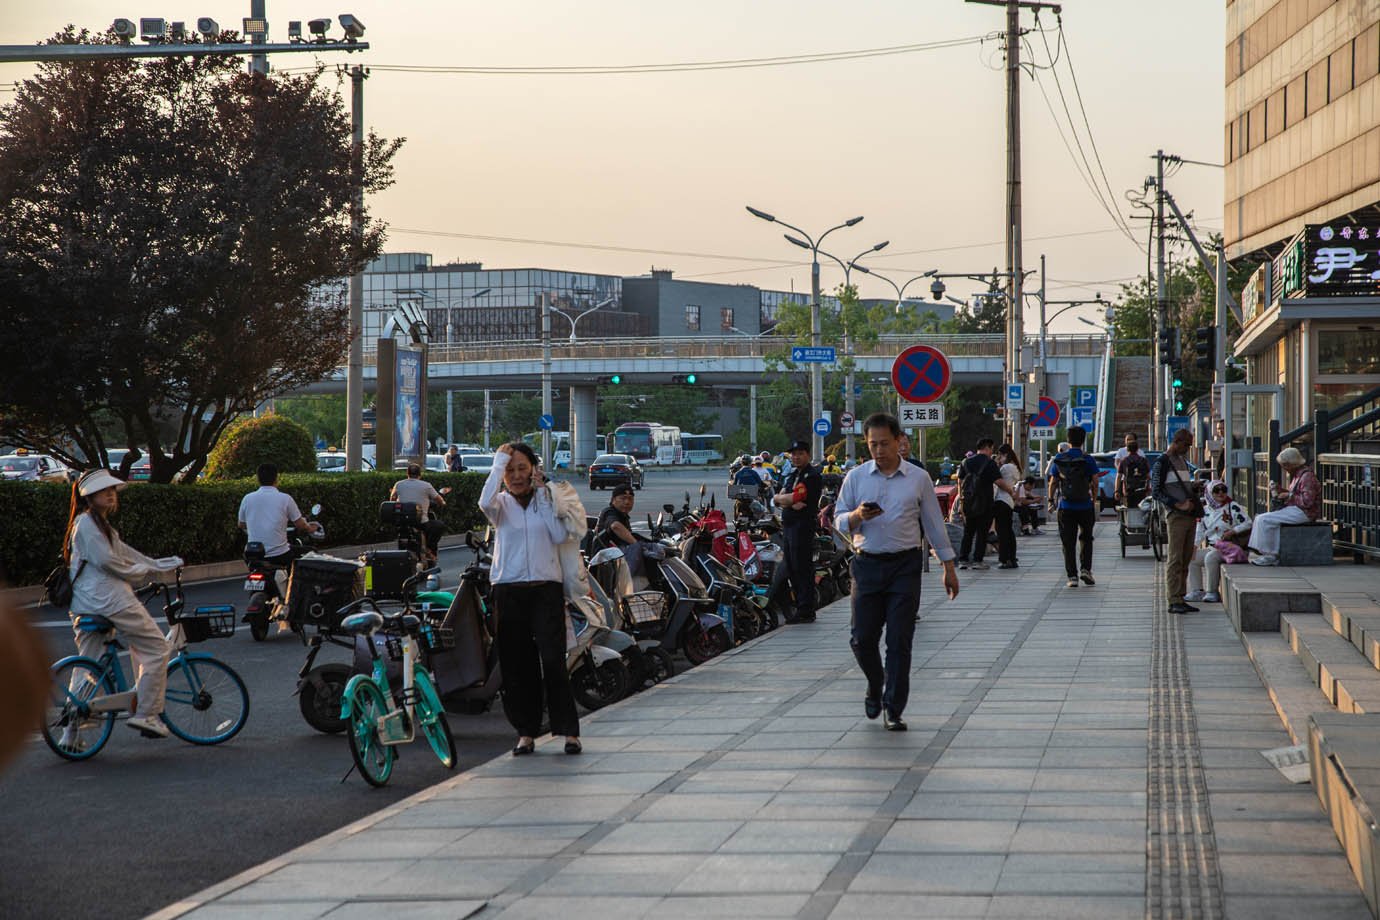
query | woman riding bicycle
[102, 568]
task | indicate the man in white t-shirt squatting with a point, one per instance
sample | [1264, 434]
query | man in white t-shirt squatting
[421, 493]
[266, 514]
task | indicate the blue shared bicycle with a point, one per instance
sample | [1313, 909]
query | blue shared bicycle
[206, 701]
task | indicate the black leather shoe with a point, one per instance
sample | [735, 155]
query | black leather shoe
[1189, 608]
[872, 706]
[893, 723]
[1178, 608]
[573, 747]
[523, 748]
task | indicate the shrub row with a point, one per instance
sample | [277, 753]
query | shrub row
[198, 522]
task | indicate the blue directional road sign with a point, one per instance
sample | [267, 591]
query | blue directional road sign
[546, 422]
[1080, 417]
[804, 354]
[1083, 397]
[1015, 396]
[857, 390]
[1173, 423]
[823, 427]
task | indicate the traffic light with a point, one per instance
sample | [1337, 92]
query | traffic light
[684, 378]
[1169, 345]
[1178, 395]
[1206, 347]
[613, 380]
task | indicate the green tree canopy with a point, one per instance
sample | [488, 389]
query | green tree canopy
[172, 233]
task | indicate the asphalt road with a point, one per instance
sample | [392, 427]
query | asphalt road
[146, 822]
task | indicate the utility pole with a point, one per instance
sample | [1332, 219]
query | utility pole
[1161, 308]
[258, 62]
[354, 371]
[545, 377]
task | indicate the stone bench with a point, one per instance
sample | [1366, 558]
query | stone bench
[1306, 544]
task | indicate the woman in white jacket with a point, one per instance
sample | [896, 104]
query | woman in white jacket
[529, 601]
[103, 568]
[1223, 519]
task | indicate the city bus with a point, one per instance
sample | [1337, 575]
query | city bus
[703, 448]
[649, 442]
[560, 447]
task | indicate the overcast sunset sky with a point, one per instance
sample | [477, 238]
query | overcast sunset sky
[632, 170]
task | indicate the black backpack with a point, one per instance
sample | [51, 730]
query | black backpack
[1135, 476]
[977, 500]
[1075, 482]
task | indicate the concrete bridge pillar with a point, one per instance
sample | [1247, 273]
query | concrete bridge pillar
[584, 425]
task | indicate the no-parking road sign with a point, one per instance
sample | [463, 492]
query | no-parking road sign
[1048, 414]
[921, 374]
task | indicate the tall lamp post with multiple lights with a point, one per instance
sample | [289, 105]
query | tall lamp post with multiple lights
[848, 395]
[816, 371]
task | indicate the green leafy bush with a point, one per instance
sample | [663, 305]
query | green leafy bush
[251, 441]
[198, 522]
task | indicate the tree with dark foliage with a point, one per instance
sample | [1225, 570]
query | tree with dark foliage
[172, 235]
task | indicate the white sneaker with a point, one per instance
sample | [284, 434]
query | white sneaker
[1193, 596]
[1212, 597]
[1265, 560]
[148, 726]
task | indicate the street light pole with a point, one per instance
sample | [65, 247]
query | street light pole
[545, 302]
[848, 398]
[354, 372]
[816, 371]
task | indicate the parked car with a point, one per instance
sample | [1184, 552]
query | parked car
[22, 466]
[615, 469]
[434, 462]
[333, 461]
[477, 463]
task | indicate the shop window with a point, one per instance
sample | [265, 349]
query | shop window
[1348, 351]
[692, 317]
[725, 319]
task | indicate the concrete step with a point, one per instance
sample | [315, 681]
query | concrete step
[1344, 752]
[1334, 665]
[1356, 618]
[1255, 598]
[1292, 691]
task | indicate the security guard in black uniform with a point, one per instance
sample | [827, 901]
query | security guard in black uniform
[799, 503]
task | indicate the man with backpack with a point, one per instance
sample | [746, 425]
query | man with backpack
[977, 478]
[1075, 475]
[1132, 475]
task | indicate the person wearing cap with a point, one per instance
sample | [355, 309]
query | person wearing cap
[799, 504]
[615, 527]
[103, 568]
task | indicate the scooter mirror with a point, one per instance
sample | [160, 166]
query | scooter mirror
[668, 508]
[315, 509]
[701, 491]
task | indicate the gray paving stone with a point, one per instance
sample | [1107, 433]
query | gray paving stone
[799, 836]
[1080, 836]
[666, 837]
[685, 806]
[939, 873]
[1029, 907]
[291, 910]
[697, 907]
[410, 910]
[608, 907]
[1275, 907]
[966, 806]
[1293, 874]
[813, 806]
[529, 840]
[762, 873]
[931, 907]
[451, 878]
[544, 811]
[948, 836]
[626, 874]
[979, 780]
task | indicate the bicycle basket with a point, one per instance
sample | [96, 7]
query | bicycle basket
[437, 638]
[217, 622]
[644, 606]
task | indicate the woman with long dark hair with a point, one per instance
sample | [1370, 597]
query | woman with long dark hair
[529, 602]
[103, 567]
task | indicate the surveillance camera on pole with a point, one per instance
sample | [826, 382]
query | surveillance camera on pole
[124, 30]
[937, 289]
[319, 28]
[209, 29]
[354, 29]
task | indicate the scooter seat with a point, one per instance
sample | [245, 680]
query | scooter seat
[91, 622]
[362, 623]
[406, 622]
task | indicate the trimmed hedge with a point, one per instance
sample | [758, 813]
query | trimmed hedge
[198, 522]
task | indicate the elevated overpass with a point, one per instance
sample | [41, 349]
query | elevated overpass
[722, 361]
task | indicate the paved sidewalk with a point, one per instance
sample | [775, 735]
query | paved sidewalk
[1069, 755]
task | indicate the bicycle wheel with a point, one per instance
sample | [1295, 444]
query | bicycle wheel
[431, 718]
[372, 756]
[69, 727]
[206, 701]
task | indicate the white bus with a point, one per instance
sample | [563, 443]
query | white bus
[650, 442]
[703, 448]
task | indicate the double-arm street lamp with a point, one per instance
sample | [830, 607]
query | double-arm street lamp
[805, 241]
[579, 316]
[848, 396]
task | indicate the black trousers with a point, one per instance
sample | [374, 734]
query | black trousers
[886, 596]
[800, 565]
[531, 652]
[1006, 537]
[433, 530]
[1077, 526]
[974, 545]
[1029, 516]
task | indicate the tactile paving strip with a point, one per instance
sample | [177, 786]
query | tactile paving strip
[1182, 879]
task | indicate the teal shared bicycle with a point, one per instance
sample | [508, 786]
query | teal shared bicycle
[206, 701]
[380, 716]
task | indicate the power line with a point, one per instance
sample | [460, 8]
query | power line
[685, 66]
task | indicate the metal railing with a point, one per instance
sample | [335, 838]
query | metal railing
[1329, 427]
[736, 346]
[1350, 497]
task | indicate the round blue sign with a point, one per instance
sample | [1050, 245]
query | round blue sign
[1048, 414]
[546, 422]
[823, 427]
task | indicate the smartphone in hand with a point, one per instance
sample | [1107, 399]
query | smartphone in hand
[873, 507]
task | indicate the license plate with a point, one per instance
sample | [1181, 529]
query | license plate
[253, 584]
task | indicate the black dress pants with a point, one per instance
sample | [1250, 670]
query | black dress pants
[800, 566]
[531, 652]
[974, 545]
[886, 596]
[1006, 537]
[1076, 525]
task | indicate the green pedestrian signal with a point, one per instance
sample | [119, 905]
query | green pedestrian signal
[1178, 383]
[614, 380]
[684, 378]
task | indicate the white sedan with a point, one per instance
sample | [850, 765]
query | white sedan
[478, 463]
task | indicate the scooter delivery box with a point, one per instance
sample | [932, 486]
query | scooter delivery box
[320, 585]
[385, 570]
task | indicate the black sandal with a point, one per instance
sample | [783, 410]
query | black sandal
[573, 747]
[522, 748]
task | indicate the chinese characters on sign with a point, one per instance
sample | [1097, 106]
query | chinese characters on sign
[922, 415]
[1342, 259]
